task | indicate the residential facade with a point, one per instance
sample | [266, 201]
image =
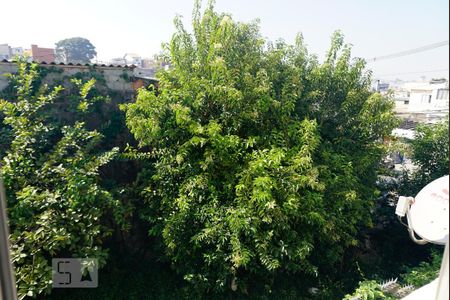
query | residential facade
[422, 96]
[17, 51]
[42, 54]
[133, 59]
[5, 51]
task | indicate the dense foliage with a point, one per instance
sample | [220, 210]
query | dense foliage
[255, 175]
[430, 152]
[412, 279]
[75, 50]
[50, 170]
[264, 160]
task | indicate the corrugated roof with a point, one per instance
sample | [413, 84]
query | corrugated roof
[77, 64]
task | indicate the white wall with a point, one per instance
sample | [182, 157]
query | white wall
[5, 51]
[420, 100]
[424, 97]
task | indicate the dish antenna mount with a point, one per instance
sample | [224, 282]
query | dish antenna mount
[427, 213]
[427, 217]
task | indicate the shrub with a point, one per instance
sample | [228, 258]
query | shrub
[264, 160]
[55, 203]
[425, 272]
[430, 152]
[368, 290]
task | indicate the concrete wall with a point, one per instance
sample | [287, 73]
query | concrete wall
[6, 68]
[422, 100]
[401, 105]
[117, 79]
[422, 97]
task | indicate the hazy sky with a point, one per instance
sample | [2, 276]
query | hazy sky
[374, 27]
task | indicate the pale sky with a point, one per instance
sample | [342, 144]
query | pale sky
[374, 27]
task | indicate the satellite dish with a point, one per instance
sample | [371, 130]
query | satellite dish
[428, 215]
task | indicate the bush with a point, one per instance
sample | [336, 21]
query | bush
[264, 161]
[413, 278]
[425, 272]
[368, 290]
[55, 203]
[430, 152]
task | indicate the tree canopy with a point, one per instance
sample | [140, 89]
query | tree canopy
[75, 50]
[264, 159]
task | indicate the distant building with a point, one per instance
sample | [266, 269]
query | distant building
[27, 54]
[5, 51]
[430, 96]
[381, 87]
[42, 54]
[129, 59]
[133, 59]
[149, 63]
[17, 51]
[422, 96]
[117, 61]
[401, 98]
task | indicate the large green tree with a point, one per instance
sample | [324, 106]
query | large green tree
[75, 50]
[264, 159]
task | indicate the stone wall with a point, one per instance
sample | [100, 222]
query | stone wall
[118, 79]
